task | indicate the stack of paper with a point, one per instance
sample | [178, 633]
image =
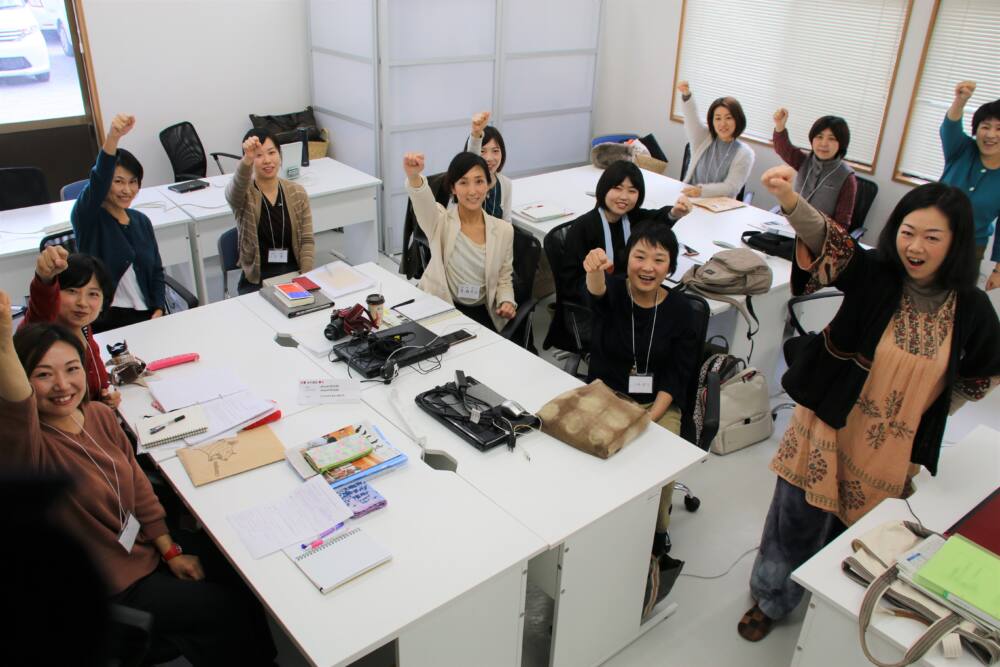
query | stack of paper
[229, 414]
[542, 212]
[338, 278]
[187, 385]
[424, 307]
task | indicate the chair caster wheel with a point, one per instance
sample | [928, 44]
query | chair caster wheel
[691, 503]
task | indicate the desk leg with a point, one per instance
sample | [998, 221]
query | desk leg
[483, 627]
[197, 266]
[600, 584]
[826, 632]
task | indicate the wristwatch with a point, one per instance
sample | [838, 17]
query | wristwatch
[173, 552]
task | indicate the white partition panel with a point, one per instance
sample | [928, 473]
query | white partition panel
[550, 25]
[440, 29]
[548, 83]
[439, 146]
[350, 142]
[434, 93]
[547, 142]
[346, 26]
[346, 86]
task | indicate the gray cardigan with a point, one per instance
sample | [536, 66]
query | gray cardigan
[700, 139]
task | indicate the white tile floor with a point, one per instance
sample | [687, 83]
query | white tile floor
[735, 491]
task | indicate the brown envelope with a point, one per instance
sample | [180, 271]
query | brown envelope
[224, 458]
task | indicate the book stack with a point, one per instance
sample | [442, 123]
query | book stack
[293, 294]
[382, 458]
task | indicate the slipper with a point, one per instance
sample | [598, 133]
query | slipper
[755, 625]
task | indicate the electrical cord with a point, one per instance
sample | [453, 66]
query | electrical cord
[728, 569]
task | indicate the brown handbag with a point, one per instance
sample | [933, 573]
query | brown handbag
[593, 419]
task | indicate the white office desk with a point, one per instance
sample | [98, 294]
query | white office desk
[967, 473]
[396, 289]
[22, 230]
[339, 196]
[596, 516]
[699, 229]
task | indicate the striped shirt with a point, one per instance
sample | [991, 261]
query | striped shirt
[467, 266]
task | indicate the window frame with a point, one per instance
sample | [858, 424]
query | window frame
[858, 167]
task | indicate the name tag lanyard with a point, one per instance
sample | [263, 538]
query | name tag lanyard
[609, 248]
[652, 332]
[280, 203]
[805, 179]
[126, 518]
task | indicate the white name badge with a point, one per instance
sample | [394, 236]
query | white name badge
[640, 384]
[129, 532]
[468, 292]
[329, 390]
[277, 255]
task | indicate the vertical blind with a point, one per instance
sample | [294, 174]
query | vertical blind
[813, 57]
[965, 45]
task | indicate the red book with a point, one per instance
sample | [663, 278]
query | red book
[305, 283]
[982, 524]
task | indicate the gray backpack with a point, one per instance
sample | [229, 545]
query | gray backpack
[736, 271]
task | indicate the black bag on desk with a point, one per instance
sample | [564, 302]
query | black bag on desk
[771, 244]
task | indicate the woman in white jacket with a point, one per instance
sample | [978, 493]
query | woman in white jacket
[486, 141]
[472, 252]
[720, 163]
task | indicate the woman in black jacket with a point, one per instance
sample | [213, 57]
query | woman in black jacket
[620, 192]
[913, 339]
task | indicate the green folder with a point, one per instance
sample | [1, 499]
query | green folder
[964, 573]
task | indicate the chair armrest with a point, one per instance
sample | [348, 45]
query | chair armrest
[190, 299]
[218, 163]
[572, 364]
[524, 311]
[802, 299]
[856, 234]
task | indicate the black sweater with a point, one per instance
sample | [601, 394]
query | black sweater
[829, 371]
[674, 349]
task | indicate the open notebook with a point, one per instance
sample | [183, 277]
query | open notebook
[161, 429]
[333, 560]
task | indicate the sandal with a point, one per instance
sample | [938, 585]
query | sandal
[755, 625]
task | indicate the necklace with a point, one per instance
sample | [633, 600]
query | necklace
[652, 331]
[714, 168]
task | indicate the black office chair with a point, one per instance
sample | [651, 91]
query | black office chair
[863, 200]
[416, 249]
[187, 154]
[795, 344]
[72, 190]
[527, 252]
[178, 297]
[570, 326]
[742, 195]
[229, 256]
[22, 186]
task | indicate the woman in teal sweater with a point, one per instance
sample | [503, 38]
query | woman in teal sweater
[972, 164]
[119, 236]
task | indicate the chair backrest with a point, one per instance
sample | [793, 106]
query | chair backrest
[867, 191]
[416, 249]
[570, 326]
[229, 255]
[66, 239]
[72, 190]
[701, 313]
[686, 161]
[527, 253]
[185, 151]
[22, 186]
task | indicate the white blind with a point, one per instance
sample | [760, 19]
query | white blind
[813, 57]
[965, 45]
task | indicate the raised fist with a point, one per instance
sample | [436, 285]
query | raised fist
[51, 262]
[479, 122]
[413, 164]
[597, 261]
[780, 118]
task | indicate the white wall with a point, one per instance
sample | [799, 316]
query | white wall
[210, 62]
[636, 71]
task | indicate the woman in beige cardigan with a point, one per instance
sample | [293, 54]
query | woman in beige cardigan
[472, 253]
[272, 215]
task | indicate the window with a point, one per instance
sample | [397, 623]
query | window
[813, 57]
[40, 80]
[963, 45]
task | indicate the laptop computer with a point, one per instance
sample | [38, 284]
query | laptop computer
[368, 355]
[291, 160]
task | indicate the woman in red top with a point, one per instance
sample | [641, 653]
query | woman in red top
[52, 427]
[72, 290]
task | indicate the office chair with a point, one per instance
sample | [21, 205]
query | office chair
[527, 252]
[178, 297]
[229, 256]
[22, 186]
[72, 190]
[570, 326]
[416, 249]
[187, 154]
[793, 345]
[863, 200]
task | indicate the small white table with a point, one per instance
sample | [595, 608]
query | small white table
[339, 196]
[699, 229]
[967, 473]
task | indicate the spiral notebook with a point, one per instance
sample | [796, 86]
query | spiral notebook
[336, 559]
[171, 426]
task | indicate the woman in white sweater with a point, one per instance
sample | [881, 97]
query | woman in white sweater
[487, 142]
[472, 252]
[720, 163]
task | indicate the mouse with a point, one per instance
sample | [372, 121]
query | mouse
[512, 409]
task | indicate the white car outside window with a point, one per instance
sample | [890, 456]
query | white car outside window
[51, 16]
[23, 51]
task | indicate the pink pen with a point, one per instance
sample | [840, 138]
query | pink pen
[318, 542]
